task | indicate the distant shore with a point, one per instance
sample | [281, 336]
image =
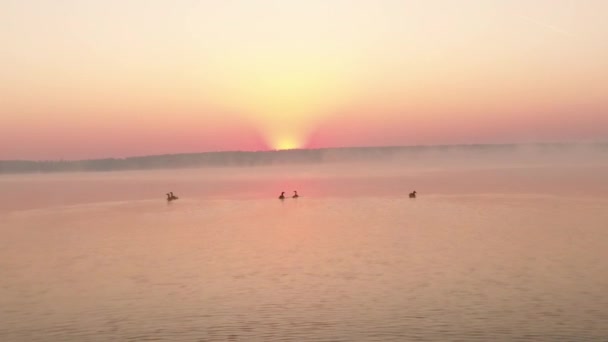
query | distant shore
[305, 156]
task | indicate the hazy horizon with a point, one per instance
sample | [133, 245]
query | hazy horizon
[448, 156]
[540, 144]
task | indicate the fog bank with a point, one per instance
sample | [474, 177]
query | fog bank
[419, 156]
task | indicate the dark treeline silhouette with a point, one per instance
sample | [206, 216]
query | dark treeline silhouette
[263, 158]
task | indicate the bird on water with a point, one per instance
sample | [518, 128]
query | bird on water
[295, 194]
[171, 197]
[282, 195]
[413, 194]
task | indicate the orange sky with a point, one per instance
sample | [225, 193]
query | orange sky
[89, 79]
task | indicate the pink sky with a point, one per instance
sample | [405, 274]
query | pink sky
[112, 78]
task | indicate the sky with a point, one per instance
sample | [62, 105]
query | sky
[86, 79]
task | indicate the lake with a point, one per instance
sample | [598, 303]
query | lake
[483, 254]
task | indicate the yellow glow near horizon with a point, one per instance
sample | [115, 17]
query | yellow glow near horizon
[283, 93]
[287, 144]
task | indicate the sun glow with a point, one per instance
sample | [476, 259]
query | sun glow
[287, 143]
[284, 94]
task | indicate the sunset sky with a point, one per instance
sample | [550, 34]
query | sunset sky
[114, 78]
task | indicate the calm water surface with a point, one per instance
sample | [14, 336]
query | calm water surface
[339, 265]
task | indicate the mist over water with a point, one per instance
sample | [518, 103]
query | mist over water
[500, 246]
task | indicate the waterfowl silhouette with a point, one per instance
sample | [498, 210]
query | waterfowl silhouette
[295, 194]
[282, 195]
[413, 194]
[171, 197]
